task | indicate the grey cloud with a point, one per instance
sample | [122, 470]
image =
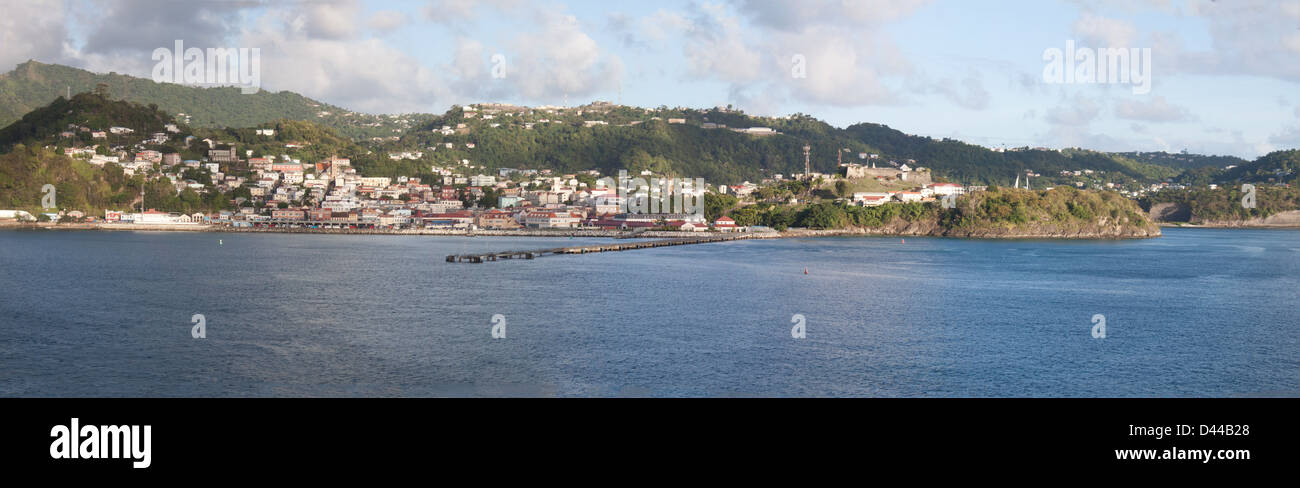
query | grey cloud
[140, 26]
[31, 31]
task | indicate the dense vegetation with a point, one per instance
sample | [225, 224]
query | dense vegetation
[86, 110]
[31, 156]
[82, 186]
[1181, 161]
[1225, 204]
[1062, 210]
[1275, 167]
[716, 154]
[969, 163]
[32, 85]
[318, 142]
[719, 156]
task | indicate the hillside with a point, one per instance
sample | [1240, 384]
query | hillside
[1221, 205]
[32, 85]
[31, 156]
[964, 162]
[997, 213]
[1181, 161]
[86, 110]
[1275, 167]
[714, 145]
[78, 185]
[316, 141]
[721, 145]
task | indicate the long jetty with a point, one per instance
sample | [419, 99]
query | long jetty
[624, 246]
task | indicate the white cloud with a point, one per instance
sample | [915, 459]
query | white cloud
[360, 74]
[1075, 112]
[315, 56]
[842, 69]
[387, 20]
[1097, 31]
[1289, 138]
[560, 59]
[1156, 110]
[968, 93]
[716, 47]
[822, 52]
[466, 11]
[1247, 38]
[331, 20]
[797, 16]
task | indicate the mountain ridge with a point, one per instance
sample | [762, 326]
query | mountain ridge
[708, 143]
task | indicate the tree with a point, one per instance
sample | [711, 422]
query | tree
[715, 205]
[747, 216]
[842, 188]
[823, 216]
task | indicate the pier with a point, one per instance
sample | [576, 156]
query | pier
[624, 246]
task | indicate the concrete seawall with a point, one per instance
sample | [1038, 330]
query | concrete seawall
[595, 233]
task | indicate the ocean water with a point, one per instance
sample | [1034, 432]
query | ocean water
[1198, 312]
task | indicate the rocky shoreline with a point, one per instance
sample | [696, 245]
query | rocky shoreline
[1179, 215]
[992, 234]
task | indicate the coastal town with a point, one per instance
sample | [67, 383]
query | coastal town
[265, 180]
[330, 194]
[280, 191]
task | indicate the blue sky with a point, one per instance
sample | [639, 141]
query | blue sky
[1224, 74]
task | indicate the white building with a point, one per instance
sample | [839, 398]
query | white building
[944, 189]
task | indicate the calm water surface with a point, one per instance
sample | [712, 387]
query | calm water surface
[1198, 312]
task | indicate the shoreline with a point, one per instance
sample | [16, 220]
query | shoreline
[811, 233]
[1184, 225]
[594, 233]
[222, 229]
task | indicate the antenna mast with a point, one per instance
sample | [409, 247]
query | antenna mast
[807, 166]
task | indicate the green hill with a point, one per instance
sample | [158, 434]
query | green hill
[32, 85]
[86, 110]
[707, 144]
[1274, 167]
[78, 185]
[31, 156]
[676, 141]
[997, 213]
[1181, 161]
[964, 162]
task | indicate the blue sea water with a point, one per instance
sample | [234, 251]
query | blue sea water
[1198, 312]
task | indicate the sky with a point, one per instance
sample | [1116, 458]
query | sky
[1224, 75]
